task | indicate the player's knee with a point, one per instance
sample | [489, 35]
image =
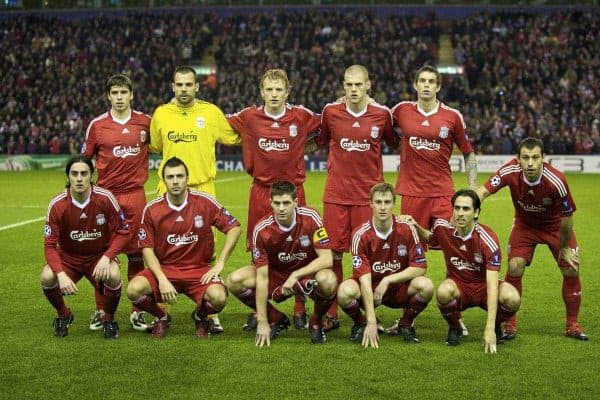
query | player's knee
[217, 296]
[48, 277]
[569, 272]
[235, 280]
[347, 291]
[516, 266]
[137, 286]
[445, 292]
[424, 287]
[327, 282]
[509, 297]
[114, 277]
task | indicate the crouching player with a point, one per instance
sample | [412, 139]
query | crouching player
[388, 267]
[291, 255]
[85, 230]
[177, 244]
[473, 260]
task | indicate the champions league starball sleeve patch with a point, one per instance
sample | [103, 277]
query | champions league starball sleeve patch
[255, 254]
[141, 234]
[356, 262]
[47, 230]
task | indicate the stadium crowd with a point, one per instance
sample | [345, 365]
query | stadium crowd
[525, 74]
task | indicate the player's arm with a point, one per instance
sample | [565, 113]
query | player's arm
[482, 192]
[231, 239]
[424, 234]
[167, 290]
[471, 169]
[324, 260]
[263, 329]
[567, 253]
[399, 277]
[370, 336]
[51, 235]
[489, 334]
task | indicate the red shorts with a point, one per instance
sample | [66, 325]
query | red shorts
[472, 294]
[395, 297]
[340, 220]
[132, 204]
[523, 240]
[185, 280]
[76, 267]
[425, 210]
[259, 206]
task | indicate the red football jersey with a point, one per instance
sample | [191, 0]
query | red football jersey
[181, 236]
[287, 249]
[541, 203]
[427, 142]
[90, 229]
[273, 146]
[354, 164]
[467, 258]
[121, 150]
[382, 254]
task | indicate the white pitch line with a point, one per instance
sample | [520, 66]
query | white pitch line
[31, 221]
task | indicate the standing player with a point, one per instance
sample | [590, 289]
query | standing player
[291, 255]
[543, 215]
[354, 130]
[118, 139]
[85, 231]
[178, 244]
[274, 137]
[473, 259]
[188, 128]
[428, 130]
[389, 268]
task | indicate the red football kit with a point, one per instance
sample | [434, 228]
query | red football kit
[354, 165]
[539, 208]
[383, 254]
[273, 150]
[285, 250]
[121, 152]
[77, 234]
[182, 239]
[467, 259]
[425, 180]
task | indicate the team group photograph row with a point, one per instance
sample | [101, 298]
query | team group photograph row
[295, 251]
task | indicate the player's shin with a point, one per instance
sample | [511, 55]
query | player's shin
[148, 304]
[322, 305]
[57, 301]
[353, 310]
[112, 295]
[416, 304]
[451, 313]
[571, 293]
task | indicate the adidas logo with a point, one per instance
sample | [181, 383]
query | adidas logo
[463, 248]
[289, 239]
[179, 219]
[425, 123]
[356, 124]
[385, 246]
[82, 216]
[125, 130]
[275, 125]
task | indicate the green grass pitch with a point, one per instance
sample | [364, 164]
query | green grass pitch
[540, 364]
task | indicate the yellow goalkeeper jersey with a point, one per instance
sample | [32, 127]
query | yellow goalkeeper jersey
[190, 134]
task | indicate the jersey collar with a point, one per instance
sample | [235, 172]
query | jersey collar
[467, 236]
[537, 181]
[358, 114]
[288, 228]
[85, 202]
[275, 117]
[427, 114]
[382, 235]
[120, 121]
[179, 207]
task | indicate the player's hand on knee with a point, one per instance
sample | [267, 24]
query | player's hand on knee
[101, 272]
[263, 334]
[167, 291]
[66, 285]
[288, 286]
[570, 256]
[210, 274]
